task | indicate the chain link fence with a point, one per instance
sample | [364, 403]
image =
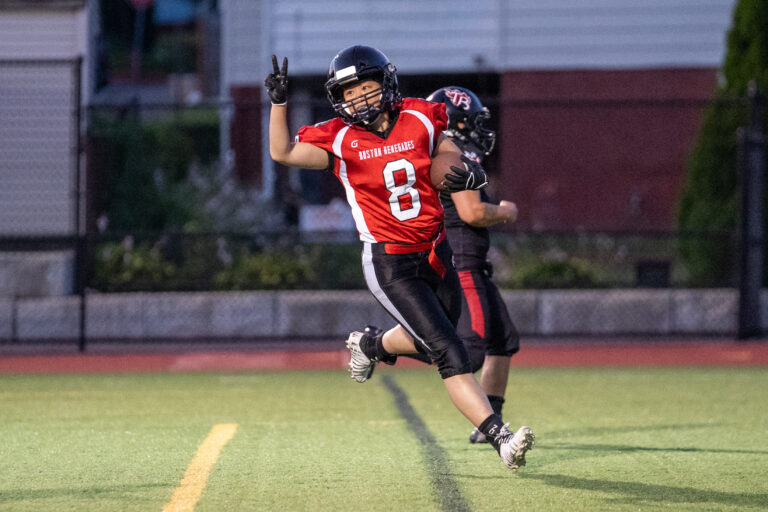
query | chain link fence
[187, 236]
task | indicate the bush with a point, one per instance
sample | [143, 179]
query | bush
[148, 166]
[266, 271]
[202, 262]
[338, 266]
[710, 197]
[570, 273]
[124, 267]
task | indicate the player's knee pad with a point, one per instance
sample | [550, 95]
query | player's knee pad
[452, 359]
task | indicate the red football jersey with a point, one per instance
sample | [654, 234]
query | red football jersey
[387, 180]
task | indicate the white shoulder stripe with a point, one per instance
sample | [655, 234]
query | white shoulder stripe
[338, 140]
[427, 124]
[357, 212]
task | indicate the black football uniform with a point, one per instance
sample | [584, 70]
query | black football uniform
[484, 324]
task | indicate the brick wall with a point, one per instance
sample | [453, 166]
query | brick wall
[599, 149]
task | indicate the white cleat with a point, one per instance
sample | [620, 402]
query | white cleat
[360, 366]
[512, 447]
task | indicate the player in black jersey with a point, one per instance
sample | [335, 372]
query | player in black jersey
[485, 327]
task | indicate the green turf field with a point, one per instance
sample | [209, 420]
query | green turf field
[607, 439]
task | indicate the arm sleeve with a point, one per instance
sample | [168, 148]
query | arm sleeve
[318, 135]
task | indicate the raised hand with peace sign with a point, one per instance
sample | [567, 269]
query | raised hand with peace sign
[277, 82]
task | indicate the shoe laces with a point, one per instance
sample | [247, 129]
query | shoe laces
[504, 434]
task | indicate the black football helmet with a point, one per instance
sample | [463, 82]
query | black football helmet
[356, 64]
[463, 106]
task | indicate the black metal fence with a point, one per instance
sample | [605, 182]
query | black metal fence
[175, 261]
[168, 236]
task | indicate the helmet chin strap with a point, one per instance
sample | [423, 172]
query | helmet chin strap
[379, 120]
[369, 122]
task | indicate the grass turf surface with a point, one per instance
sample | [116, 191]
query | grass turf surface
[607, 439]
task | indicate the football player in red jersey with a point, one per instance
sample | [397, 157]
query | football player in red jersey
[381, 148]
[488, 332]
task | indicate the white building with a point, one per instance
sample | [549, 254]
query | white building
[591, 49]
[46, 74]
[456, 36]
[42, 43]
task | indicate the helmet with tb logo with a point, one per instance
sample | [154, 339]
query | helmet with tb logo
[466, 117]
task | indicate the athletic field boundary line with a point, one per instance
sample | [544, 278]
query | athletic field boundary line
[444, 488]
[188, 493]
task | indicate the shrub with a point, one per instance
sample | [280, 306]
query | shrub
[570, 273]
[147, 167]
[710, 197]
[124, 267]
[338, 266]
[265, 271]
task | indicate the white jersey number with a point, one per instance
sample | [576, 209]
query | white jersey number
[406, 189]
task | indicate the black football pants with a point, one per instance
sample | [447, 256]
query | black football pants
[424, 297]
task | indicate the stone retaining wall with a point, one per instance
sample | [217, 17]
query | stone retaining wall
[320, 314]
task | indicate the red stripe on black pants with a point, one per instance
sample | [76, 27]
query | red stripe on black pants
[473, 301]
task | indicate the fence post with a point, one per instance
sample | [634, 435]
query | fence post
[751, 168]
[80, 226]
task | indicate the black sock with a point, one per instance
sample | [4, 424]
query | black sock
[368, 346]
[382, 354]
[496, 403]
[490, 427]
[373, 348]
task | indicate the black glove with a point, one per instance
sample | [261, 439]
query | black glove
[277, 83]
[472, 177]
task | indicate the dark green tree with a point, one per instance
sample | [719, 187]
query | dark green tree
[710, 197]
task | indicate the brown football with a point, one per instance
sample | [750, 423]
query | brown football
[441, 165]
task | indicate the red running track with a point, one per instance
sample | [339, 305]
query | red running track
[720, 353]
